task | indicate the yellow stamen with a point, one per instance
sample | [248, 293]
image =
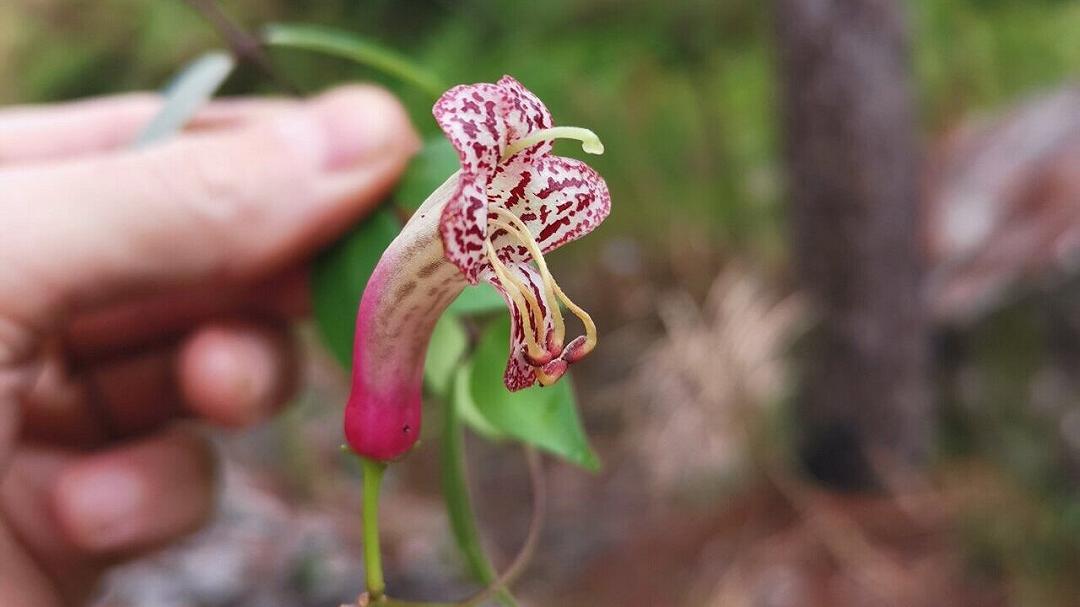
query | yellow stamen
[586, 320]
[521, 231]
[523, 298]
[590, 143]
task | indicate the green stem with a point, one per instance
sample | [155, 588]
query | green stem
[458, 501]
[373, 474]
[376, 588]
[521, 561]
[348, 45]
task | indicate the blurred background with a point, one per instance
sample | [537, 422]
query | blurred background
[838, 300]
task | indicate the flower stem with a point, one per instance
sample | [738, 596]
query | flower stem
[458, 501]
[373, 474]
[350, 46]
[521, 561]
[376, 588]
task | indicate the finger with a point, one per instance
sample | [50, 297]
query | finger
[26, 496]
[229, 206]
[237, 373]
[230, 372]
[35, 133]
[57, 409]
[163, 317]
[136, 496]
[119, 398]
[136, 395]
[21, 577]
[63, 130]
[231, 112]
[14, 383]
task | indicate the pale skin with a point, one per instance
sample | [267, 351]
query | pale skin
[141, 290]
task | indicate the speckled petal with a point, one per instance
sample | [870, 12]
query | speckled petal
[520, 371]
[524, 113]
[558, 199]
[463, 227]
[471, 116]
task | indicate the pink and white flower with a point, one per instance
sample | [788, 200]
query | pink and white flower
[492, 221]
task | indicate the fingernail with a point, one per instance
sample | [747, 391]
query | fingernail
[362, 123]
[101, 506]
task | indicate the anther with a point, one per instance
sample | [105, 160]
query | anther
[551, 372]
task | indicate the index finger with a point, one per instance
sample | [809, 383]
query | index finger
[234, 205]
[65, 130]
[162, 316]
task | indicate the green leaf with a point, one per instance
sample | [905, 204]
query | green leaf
[448, 344]
[458, 501]
[478, 299]
[435, 163]
[349, 45]
[339, 276]
[466, 408]
[545, 417]
[189, 91]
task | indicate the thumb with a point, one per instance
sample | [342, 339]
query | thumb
[226, 205]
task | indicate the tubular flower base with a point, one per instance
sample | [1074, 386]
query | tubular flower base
[492, 221]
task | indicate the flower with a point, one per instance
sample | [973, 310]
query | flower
[511, 202]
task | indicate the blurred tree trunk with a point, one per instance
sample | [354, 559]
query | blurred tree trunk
[850, 144]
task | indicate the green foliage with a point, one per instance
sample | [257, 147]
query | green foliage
[448, 344]
[544, 417]
[682, 93]
[976, 53]
[1008, 415]
[465, 407]
[456, 495]
[436, 162]
[479, 299]
[351, 46]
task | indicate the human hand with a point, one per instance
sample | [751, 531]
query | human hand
[141, 287]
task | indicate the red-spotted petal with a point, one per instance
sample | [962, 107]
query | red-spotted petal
[524, 113]
[520, 370]
[463, 226]
[472, 117]
[558, 199]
